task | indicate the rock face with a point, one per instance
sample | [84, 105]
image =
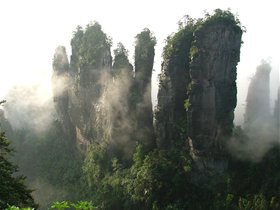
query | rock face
[144, 61]
[196, 99]
[197, 94]
[258, 98]
[171, 116]
[100, 102]
[121, 110]
[259, 124]
[60, 86]
[212, 91]
[78, 87]
[277, 115]
[90, 68]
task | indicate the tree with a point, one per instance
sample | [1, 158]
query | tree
[121, 63]
[13, 191]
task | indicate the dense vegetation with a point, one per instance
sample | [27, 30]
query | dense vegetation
[13, 189]
[122, 166]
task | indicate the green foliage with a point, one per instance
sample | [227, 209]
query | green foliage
[144, 61]
[153, 178]
[193, 51]
[94, 43]
[121, 62]
[146, 38]
[220, 16]
[51, 164]
[12, 188]
[187, 104]
[173, 81]
[258, 202]
[177, 45]
[89, 47]
[60, 205]
[251, 185]
[60, 60]
[83, 205]
[96, 163]
[105, 177]
[156, 180]
[138, 156]
[144, 53]
[17, 208]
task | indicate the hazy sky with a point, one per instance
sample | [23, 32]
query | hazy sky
[32, 29]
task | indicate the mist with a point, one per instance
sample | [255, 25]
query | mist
[260, 131]
[115, 106]
[29, 107]
[94, 108]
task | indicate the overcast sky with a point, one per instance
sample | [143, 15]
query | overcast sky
[32, 29]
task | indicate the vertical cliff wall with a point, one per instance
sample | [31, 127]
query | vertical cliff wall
[60, 86]
[121, 111]
[144, 61]
[101, 102]
[212, 91]
[60, 81]
[197, 91]
[90, 67]
[259, 124]
[257, 111]
[170, 114]
[277, 115]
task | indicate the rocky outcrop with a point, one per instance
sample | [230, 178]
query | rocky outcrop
[104, 102]
[90, 67]
[78, 87]
[259, 124]
[144, 61]
[196, 98]
[170, 114]
[197, 92]
[212, 91]
[60, 87]
[277, 115]
[257, 111]
[121, 110]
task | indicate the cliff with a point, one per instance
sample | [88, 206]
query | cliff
[197, 92]
[98, 101]
[257, 111]
[121, 110]
[90, 66]
[212, 90]
[144, 61]
[277, 115]
[60, 87]
[78, 86]
[196, 99]
[170, 114]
